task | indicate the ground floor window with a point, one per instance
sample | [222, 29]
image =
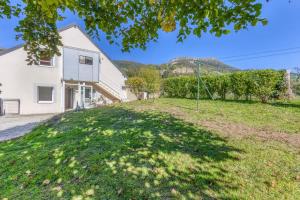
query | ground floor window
[45, 94]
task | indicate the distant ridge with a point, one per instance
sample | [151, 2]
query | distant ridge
[179, 66]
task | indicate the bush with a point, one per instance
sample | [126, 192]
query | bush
[238, 84]
[264, 84]
[136, 85]
[182, 87]
[222, 85]
[152, 80]
[296, 89]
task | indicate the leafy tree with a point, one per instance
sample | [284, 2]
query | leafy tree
[249, 85]
[265, 82]
[237, 84]
[281, 87]
[152, 80]
[133, 23]
[136, 85]
[297, 72]
[222, 85]
[210, 83]
[296, 88]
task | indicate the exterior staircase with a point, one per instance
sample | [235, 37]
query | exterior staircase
[107, 91]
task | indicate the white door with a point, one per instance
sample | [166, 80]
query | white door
[11, 106]
[86, 96]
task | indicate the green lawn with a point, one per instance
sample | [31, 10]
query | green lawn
[277, 117]
[136, 151]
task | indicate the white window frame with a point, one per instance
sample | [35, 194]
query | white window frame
[51, 63]
[50, 66]
[85, 58]
[45, 102]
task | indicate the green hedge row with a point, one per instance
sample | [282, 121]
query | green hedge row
[263, 84]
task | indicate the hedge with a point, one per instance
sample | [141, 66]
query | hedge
[263, 84]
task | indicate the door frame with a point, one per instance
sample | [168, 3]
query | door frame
[69, 95]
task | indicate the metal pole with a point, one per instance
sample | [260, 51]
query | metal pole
[198, 89]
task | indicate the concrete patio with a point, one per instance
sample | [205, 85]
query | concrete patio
[18, 125]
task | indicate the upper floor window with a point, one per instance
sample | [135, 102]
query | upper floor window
[45, 59]
[86, 60]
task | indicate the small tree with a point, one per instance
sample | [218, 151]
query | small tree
[296, 88]
[210, 82]
[265, 84]
[237, 84]
[249, 85]
[297, 72]
[136, 85]
[222, 85]
[152, 80]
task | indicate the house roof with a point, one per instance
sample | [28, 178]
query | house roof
[5, 51]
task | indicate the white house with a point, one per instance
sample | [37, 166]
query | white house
[83, 76]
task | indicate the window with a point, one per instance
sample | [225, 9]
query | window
[45, 94]
[45, 59]
[86, 60]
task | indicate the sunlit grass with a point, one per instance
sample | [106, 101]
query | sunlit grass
[276, 116]
[119, 153]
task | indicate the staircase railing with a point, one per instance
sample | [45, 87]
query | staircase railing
[109, 89]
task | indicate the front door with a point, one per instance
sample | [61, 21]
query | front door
[69, 98]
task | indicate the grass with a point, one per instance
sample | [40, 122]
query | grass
[122, 152]
[278, 117]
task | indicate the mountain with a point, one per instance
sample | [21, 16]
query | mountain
[179, 66]
[130, 68]
[207, 65]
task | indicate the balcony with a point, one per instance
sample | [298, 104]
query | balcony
[80, 65]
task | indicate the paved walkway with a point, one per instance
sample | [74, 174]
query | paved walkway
[18, 125]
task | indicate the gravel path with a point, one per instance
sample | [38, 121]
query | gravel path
[16, 126]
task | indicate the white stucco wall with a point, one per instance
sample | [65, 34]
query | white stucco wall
[111, 75]
[73, 37]
[20, 81]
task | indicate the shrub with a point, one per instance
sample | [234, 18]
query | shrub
[249, 85]
[238, 84]
[296, 88]
[222, 85]
[136, 84]
[152, 79]
[264, 84]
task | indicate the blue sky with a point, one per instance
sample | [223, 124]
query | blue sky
[282, 32]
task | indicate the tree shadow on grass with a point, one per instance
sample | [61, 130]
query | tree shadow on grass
[276, 104]
[285, 105]
[116, 153]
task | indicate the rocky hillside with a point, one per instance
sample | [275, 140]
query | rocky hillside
[178, 66]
